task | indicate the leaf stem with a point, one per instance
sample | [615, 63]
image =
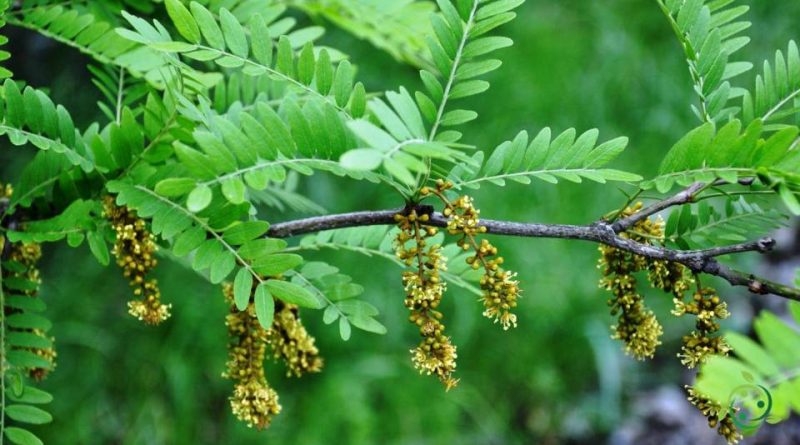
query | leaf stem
[452, 77]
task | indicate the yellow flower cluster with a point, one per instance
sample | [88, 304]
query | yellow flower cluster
[499, 286]
[424, 288]
[253, 401]
[708, 308]
[637, 325]
[134, 250]
[699, 345]
[670, 277]
[725, 426]
[291, 342]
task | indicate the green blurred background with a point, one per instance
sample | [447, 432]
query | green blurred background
[557, 378]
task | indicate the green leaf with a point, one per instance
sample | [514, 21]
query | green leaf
[28, 339]
[752, 353]
[242, 288]
[458, 117]
[794, 308]
[485, 45]
[294, 294]
[28, 414]
[98, 247]
[285, 63]
[343, 83]
[469, 88]
[208, 26]
[183, 20]
[25, 320]
[362, 159]
[324, 72]
[782, 342]
[399, 171]
[358, 100]
[27, 359]
[314, 270]
[188, 241]
[222, 267]
[245, 231]
[305, 64]
[344, 329]
[234, 33]
[330, 315]
[199, 198]
[684, 154]
[373, 135]
[22, 437]
[32, 395]
[259, 248]
[233, 189]
[265, 305]
[357, 307]
[173, 47]
[25, 302]
[367, 323]
[277, 264]
[173, 187]
[261, 40]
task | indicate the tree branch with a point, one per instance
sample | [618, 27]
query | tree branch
[600, 232]
[683, 197]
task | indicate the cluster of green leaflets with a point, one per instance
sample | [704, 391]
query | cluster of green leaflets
[209, 116]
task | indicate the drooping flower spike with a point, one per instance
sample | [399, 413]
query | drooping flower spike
[134, 249]
[424, 288]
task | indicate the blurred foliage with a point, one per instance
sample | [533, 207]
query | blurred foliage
[613, 65]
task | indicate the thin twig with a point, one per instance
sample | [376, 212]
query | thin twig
[683, 197]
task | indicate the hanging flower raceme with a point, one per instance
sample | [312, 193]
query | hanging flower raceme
[134, 250]
[253, 401]
[725, 426]
[702, 343]
[499, 287]
[637, 326]
[424, 288]
[291, 342]
[707, 306]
